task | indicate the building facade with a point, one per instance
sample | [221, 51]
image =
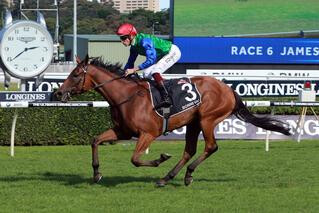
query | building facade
[109, 47]
[127, 6]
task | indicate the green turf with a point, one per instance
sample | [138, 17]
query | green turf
[13, 87]
[240, 177]
[236, 17]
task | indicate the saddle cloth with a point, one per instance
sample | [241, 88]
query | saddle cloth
[183, 93]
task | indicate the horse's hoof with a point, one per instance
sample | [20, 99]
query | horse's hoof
[188, 180]
[165, 156]
[161, 183]
[97, 178]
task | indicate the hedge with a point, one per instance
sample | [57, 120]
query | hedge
[56, 126]
[77, 126]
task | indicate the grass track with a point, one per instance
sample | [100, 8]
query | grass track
[235, 17]
[240, 177]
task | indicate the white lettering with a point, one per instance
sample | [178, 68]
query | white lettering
[239, 127]
[224, 127]
[311, 127]
[241, 89]
[251, 50]
[234, 50]
[180, 131]
[300, 51]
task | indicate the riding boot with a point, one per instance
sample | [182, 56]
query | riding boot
[165, 99]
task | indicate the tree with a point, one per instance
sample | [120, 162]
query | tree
[93, 17]
[3, 5]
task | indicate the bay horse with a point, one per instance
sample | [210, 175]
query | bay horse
[134, 116]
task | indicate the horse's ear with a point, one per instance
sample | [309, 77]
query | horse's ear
[86, 60]
[78, 60]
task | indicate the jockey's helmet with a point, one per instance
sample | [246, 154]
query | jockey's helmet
[126, 29]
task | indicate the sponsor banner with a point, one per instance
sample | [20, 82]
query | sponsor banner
[248, 50]
[235, 74]
[233, 128]
[25, 96]
[269, 88]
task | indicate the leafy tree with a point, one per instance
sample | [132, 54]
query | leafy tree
[93, 17]
[3, 5]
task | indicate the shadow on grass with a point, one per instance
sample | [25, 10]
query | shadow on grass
[74, 180]
[112, 181]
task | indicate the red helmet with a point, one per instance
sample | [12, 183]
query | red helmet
[126, 29]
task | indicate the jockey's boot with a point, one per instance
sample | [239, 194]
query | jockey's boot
[165, 99]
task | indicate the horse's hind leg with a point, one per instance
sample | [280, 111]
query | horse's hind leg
[210, 147]
[142, 144]
[192, 131]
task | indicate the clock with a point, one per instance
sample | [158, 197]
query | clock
[26, 48]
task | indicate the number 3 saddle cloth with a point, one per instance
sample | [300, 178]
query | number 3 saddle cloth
[183, 93]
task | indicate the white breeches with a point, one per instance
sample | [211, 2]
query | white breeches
[166, 62]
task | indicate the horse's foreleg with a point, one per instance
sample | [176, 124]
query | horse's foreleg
[109, 135]
[192, 132]
[142, 144]
[210, 148]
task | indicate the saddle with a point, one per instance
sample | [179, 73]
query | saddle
[183, 93]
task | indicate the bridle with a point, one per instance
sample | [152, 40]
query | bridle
[85, 71]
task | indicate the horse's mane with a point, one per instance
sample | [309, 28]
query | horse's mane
[114, 68]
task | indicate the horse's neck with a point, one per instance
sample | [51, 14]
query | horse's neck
[114, 91]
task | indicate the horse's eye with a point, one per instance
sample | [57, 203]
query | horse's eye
[76, 74]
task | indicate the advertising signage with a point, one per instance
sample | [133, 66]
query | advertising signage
[233, 128]
[250, 32]
[238, 18]
[248, 50]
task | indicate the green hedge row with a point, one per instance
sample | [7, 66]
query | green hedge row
[76, 126]
[55, 126]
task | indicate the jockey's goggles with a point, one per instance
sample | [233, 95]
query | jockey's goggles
[124, 37]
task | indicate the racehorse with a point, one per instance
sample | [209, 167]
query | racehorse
[133, 114]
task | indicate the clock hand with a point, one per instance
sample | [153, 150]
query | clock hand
[31, 48]
[25, 50]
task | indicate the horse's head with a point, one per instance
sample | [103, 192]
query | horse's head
[76, 82]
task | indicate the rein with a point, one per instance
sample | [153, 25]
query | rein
[106, 82]
[138, 92]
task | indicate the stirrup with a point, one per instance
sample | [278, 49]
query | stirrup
[164, 104]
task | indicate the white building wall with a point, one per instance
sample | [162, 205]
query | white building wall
[126, 6]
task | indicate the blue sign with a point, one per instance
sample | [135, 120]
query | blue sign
[248, 50]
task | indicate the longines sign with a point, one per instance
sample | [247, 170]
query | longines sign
[246, 88]
[269, 88]
[25, 96]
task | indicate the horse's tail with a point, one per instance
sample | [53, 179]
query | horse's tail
[266, 122]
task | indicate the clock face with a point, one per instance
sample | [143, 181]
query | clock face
[26, 49]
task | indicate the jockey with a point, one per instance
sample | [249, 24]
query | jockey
[160, 55]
